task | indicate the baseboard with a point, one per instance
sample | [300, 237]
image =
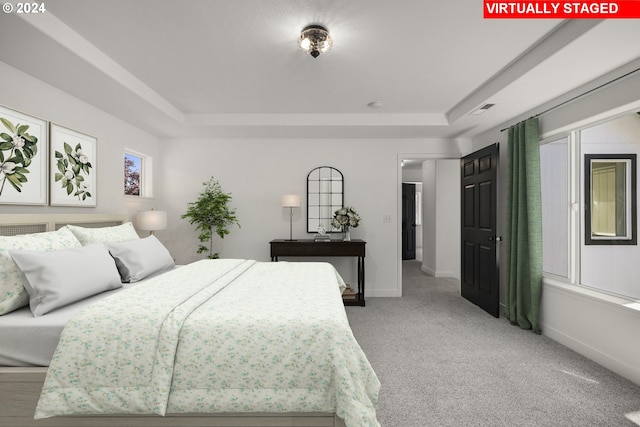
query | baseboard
[632, 373]
[428, 271]
[439, 274]
[383, 293]
[599, 326]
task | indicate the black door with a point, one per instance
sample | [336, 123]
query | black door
[408, 221]
[479, 267]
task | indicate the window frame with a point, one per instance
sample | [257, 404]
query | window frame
[146, 174]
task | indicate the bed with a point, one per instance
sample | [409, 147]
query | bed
[208, 385]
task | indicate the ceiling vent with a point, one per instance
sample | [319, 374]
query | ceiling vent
[481, 109]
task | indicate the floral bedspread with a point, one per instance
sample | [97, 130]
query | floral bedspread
[216, 336]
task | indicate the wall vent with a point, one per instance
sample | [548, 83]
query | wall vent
[481, 109]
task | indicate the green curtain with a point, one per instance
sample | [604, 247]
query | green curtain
[524, 226]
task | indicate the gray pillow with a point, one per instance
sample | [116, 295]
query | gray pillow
[58, 278]
[137, 259]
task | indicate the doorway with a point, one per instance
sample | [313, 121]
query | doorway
[437, 180]
[408, 221]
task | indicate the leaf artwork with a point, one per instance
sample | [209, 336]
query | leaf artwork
[17, 149]
[73, 166]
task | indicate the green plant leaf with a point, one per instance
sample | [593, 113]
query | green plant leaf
[21, 129]
[14, 180]
[15, 185]
[69, 188]
[6, 136]
[67, 148]
[8, 124]
[6, 145]
[58, 155]
[58, 176]
[79, 178]
[32, 139]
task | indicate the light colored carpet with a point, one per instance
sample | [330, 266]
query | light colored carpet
[442, 361]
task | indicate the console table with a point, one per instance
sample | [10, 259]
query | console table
[309, 247]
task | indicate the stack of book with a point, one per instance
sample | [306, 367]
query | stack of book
[349, 293]
[321, 238]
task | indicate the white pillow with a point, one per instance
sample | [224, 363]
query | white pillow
[58, 278]
[13, 294]
[118, 233]
[137, 259]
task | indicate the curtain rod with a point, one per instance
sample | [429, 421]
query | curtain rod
[548, 110]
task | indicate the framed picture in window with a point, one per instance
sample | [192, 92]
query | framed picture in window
[610, 215]
[23, 158]
[73, 175]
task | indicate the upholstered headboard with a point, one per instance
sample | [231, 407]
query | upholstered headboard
[15, 224]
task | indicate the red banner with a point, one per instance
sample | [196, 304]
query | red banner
[561, 9]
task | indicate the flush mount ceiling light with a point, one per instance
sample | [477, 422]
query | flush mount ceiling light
[315, 40]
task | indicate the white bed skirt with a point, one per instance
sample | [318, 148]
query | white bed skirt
[20, 390]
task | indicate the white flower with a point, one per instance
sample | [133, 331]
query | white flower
[83, 159]
[80, 156]
[18, 141]
[7, 168]
[346, 216]
[68, 174]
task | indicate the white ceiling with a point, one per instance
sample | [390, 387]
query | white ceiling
[232, 68]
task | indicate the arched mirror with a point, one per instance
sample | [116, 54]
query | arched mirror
[325, 195]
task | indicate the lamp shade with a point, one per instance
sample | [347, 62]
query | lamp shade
[291, 201]
[151, 220]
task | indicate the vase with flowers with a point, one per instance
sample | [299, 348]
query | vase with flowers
[345, 218]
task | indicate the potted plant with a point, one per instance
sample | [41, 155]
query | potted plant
[211, 212]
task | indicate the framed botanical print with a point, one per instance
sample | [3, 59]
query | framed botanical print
[73, 176]
[23, 158]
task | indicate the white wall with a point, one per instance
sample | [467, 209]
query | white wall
[601, 328]
[259, 172]
[429, 217]
[441, 217]
[448, 218]
[31, 96]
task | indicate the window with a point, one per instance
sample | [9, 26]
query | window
[589, 190]
[137, 174]
[554, 167]
[608, 251]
